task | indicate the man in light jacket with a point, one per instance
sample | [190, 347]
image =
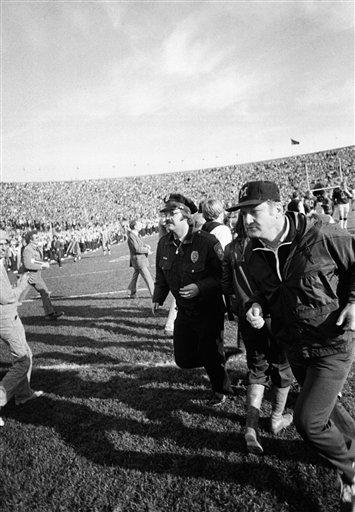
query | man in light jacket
[139, 252]
[16, 382]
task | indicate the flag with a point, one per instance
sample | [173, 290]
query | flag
[293, 141]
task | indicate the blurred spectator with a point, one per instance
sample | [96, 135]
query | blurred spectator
[341, 197]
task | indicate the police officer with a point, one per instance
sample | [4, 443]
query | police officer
[188, 263]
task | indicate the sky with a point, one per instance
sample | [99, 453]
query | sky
[97, 89]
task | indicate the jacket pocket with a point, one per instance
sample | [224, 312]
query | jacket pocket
[165, 263]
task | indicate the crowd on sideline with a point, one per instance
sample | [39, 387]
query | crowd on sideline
[91, 203]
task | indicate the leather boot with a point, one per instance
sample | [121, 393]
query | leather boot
[279, 421]
[255, 393]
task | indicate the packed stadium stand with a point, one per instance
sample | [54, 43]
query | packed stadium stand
[94, 202]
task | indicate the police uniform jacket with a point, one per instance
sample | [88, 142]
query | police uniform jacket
[197, 259]
[305, 284]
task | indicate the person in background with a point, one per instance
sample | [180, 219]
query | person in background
[139, 252]
[213, 211]
[327, 203]
[342, 197]
[57, 250]
[296, 203]
[33, 263]
[16, 382]
[309, 202]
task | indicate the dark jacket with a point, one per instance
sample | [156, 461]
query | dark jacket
[236, 282]
[307, 285]
[196, 260]
[138, 251]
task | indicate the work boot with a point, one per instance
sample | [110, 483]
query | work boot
[255, 393]
[278, 420]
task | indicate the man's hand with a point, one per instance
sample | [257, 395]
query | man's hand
[347, 318]
[155, 307]
[189, 291]
[45, 264]
[255, 316]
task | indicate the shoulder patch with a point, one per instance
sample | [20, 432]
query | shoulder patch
[218, 250]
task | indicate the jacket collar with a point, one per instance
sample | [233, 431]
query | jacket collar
[186, 240]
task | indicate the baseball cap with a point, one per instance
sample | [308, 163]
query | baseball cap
[256, 192]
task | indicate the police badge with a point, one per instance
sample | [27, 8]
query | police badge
[194, 256]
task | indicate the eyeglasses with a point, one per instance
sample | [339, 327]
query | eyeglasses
[166, 215]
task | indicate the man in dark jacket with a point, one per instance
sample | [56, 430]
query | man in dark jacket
[188, 263]
[265, 359]
[304, 271]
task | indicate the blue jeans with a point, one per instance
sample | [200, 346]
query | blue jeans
[317, 416]
[17, 380]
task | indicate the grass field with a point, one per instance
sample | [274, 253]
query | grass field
[122, 429]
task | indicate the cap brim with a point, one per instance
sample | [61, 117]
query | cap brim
[238, 206]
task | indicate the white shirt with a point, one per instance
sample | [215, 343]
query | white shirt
[223, 235]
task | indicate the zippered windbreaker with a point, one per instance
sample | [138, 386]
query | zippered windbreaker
[306, 294]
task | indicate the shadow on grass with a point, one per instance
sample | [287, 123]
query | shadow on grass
[120, 322]
[154, 395]
[90, 432]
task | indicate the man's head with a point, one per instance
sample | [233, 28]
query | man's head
[32, 237]
[177, 214]
[261, 209]
[3, 243]
[212, 209]
[135, 225]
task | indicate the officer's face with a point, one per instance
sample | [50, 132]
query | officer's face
[172, 220]
[260, 220]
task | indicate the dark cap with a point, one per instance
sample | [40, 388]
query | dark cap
[256, 192]
[179, 202]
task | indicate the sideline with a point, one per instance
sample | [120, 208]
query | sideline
[74, 366]
[85, 295]
[63, 276]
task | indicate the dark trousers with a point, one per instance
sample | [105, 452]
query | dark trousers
[266, 360]
[198, 342]
[322, 379]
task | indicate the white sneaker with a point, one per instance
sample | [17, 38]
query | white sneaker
[1, 422]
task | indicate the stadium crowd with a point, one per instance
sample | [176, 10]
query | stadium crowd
[91, 203]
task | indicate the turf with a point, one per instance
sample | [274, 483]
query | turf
[122, 429]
